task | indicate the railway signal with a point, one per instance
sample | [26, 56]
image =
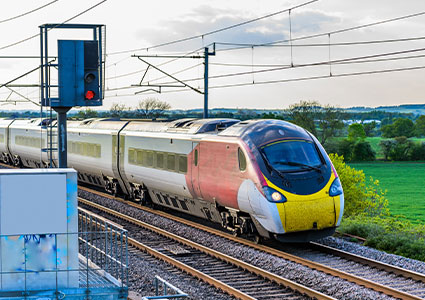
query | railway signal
[79, 83]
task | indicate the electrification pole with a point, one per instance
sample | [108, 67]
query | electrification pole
[207, 53]
[206, 83]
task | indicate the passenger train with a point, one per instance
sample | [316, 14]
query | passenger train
[259, 178]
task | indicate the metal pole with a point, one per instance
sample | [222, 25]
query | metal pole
[62, 139]
[206, 83]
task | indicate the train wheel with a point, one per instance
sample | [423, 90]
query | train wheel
[257, 239]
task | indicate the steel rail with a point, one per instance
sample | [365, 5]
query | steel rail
[308, 263]
[370, 262]
[226, 258]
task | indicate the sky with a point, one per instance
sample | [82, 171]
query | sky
[136, 27]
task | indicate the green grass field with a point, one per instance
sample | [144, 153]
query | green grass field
[405, 185]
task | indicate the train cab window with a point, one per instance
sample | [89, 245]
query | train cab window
[196, 157]
[292, 155]
[242, 160]
[171, 162]
[160, 160]
[182, 163]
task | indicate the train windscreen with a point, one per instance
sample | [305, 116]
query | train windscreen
[292, 155]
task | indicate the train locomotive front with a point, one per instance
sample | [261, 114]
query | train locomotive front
[292, 191]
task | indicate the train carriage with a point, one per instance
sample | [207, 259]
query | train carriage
[4, 138]
[261, 178]
[93, 149]
[28, 143]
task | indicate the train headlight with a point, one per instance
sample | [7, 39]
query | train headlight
[336, 188]
[273, 196]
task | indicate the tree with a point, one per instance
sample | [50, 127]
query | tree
[330, 122]
[87, 114]
[345, 149]
[369, 128]
[363, 152]
[304, 113]
[151, 108]
[397, 149]
[386, 146]
[356, 132]
[307, 113]
[417, 151]
[117, 110]
[401, 127]
[420, 126]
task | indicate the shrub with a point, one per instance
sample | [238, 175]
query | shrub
[360, 197]
[417, 151]
[362, 151]
[345, 149]
[399, 148]
[392, 235]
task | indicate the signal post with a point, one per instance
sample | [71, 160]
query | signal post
[80, 77]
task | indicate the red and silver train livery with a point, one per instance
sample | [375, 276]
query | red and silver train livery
[264, 178]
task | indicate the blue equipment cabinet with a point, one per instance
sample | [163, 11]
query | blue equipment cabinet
[78, 72]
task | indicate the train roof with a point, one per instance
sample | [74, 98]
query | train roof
[188, 126]
[264, 131]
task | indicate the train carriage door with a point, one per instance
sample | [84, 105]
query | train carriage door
[195, 168]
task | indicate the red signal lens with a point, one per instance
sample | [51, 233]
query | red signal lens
[89, 95]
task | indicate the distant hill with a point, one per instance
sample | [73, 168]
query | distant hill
[417, 109]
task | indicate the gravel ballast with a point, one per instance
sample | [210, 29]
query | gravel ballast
[327, 284]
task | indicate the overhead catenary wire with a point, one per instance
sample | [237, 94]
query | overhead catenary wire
[246, 46]
[288, 80]
[203, 35]
[297, 66]
[327, 62]
[159, 65]
[64, 22]
[28, 12]
[323, 33]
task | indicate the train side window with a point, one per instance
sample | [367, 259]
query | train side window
[171, 162]
[98, 151]
[196, 157]
[131, 156]
[145, 158]
[149, 158]
[90, 150]
[160, 160]
[242, 160]
[139, 157]
[182, 163]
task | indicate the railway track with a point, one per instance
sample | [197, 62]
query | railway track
[398, 286]
[233, 276]
[390, 280]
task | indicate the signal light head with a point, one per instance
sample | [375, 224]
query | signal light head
[89, 95]
[89, 77]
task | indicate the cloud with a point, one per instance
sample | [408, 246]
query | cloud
[205, 18]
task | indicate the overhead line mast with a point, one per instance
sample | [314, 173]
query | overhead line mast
[149, 86]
